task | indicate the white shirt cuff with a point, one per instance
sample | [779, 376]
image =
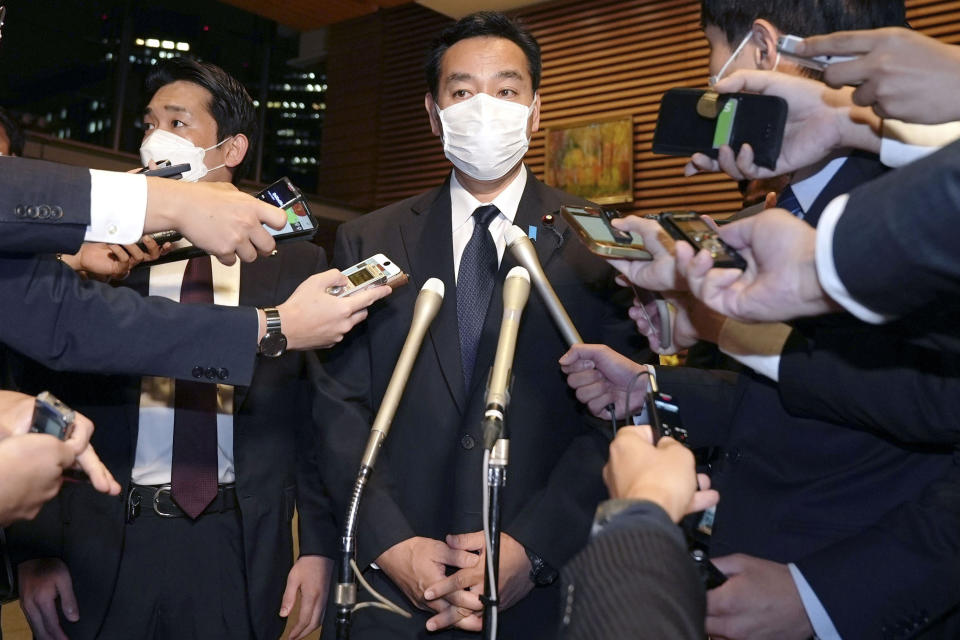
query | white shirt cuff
[118, 207]
[827, 268]
[757, 346]
[902, 143]
[820, 620]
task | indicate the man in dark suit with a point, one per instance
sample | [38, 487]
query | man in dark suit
[421, 515]
[202, 544]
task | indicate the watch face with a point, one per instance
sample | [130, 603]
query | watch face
[273, 345]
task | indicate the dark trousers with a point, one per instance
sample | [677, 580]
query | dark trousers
[180, 579]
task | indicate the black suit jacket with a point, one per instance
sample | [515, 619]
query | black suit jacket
[275, 459]
[44, 207]
[428, 477]
[895, 244]
[834, 500]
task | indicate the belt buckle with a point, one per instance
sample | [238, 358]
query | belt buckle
[165, 488]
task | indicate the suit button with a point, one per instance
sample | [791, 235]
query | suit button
[32, 212]
[197, 372]
[467, 442]
[57, 212]
[211, 373]
[43, 212]
[223, 373]
[20, 211]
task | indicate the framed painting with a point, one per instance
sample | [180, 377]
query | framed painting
[592, 159]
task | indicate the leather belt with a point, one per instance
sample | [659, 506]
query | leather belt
[156, 500]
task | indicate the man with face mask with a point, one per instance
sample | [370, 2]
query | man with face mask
[421, 518]
[201, 546]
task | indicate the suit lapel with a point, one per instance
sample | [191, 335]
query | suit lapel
[426, 235]
[856, 170]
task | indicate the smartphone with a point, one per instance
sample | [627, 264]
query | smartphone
[167, 171]
[300, 220]
[741, 118]
[594, 230]
[161, 238]
[301, 224]
[687, 225]
[52, 417]
[787, 46]
[372, 272]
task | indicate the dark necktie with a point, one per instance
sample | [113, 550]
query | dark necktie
[788, 200]
[193, 478]
[478, 270]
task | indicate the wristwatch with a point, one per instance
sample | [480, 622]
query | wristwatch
[274, 343]
[541, 573]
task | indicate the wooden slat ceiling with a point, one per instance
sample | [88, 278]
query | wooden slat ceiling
[305, 15]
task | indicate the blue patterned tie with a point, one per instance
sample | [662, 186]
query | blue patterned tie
[478, 269]
[788, 200]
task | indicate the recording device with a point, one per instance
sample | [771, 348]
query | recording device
[301, 224]
[161, 238]
[424, 311]
[688, 226]
[693, 120]
[516, 292]
[787, 46]
[372, 272]
[524, 252]
[52, 417]
[664, 415]
[661, 327]
[167, 171]
[593, 227]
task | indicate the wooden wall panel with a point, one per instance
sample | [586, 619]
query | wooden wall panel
[600, 58]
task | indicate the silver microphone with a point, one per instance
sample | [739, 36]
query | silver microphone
[516, 292]
[525, 253]
[425, 310]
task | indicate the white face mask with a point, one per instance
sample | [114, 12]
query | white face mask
[163, 145]
[484, 136]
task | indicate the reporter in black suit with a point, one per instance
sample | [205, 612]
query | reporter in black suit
[427, 482]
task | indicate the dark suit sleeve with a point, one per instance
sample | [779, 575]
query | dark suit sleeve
[895, 244]
[835, 376]
[28, 186]
[317, 523]
[634, 582]
[707, 401]
[52, 316]
[898, 575]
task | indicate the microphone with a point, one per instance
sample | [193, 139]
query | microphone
[516, 292]
[524, 253]
[424, 311]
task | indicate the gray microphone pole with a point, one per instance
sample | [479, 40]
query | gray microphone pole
[425, 310]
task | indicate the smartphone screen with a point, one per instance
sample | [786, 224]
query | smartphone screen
[281, 194]
[598, 230]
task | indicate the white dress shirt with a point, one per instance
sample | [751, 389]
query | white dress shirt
[154, 455]
[462, 206]
[118, 207]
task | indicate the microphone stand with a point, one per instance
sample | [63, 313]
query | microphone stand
[496, 460]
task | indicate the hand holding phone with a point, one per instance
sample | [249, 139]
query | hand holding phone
[372, 272]
[688, 226]
[52, 417]
[593, 229]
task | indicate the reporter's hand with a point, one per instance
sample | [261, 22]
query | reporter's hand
[690, 322]
[462, 589]
[313, 318]
[820, 120]
[16, 413]
[100, 261]
[664, 474]
[417, 563]
[659, 274]
[33, 466]
[42, 582]
[780, 281]
[214, 216]
[308, 580]
[600, 377]
[87, 459]
[901, 73]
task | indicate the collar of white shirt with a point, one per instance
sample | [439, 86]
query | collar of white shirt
[463, 204]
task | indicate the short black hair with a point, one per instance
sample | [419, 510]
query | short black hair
[230, 105]
[14, 132]
[801, 17]
[484, 23]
